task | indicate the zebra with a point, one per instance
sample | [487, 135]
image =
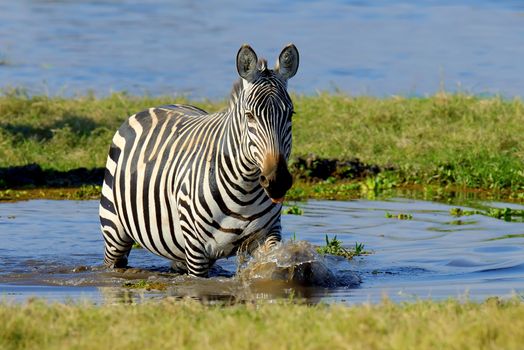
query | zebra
[194, 187]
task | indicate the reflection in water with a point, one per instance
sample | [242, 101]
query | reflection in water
[53, 249]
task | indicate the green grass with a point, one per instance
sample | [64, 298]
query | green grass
[457, 138]
[67, 133]
[80, 193]
[446, 139]
[189, 325]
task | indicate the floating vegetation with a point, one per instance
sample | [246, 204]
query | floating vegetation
[399, 216]
[334, 247]
[516, 235]
[506, 214]
[293, 210]
[81, 193]
[12, 195]
[373, 186]
[87, 192]
[457, 212]
[144, 284]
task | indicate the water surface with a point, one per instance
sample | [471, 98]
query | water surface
[161, 47]
[54, 250]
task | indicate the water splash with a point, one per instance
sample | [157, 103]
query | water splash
[295, 262]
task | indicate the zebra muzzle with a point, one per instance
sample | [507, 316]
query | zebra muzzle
[276, 180]
[277, 200]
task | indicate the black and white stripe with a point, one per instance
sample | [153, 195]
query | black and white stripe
[192, 187]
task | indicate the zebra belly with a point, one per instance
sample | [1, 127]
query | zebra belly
[155, 222]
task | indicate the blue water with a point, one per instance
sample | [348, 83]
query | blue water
[54, 250]
[163, 47]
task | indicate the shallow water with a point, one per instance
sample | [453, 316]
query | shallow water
[161, 47]
[53, 250]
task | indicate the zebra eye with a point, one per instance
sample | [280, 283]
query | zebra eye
[250, 117]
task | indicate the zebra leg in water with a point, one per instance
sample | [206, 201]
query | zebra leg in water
[262, 245]
[273, 237]
[198, 261]
[118, 244]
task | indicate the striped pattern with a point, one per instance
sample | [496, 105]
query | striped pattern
[186, 185]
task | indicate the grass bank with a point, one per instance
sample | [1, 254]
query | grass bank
[190, 325]
[445, 140]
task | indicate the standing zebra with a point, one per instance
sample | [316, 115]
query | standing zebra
[194, 187]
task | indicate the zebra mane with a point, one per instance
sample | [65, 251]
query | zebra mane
[238, 86]
[235, 93]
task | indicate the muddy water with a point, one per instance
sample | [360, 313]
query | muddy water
[53, 250]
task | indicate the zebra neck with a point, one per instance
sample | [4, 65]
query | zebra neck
[233, 157]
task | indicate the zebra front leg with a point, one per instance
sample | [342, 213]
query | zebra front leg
[273, 239]
[197, 260]
[265, 245]
[274, 236]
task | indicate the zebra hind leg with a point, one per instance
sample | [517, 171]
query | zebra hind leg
[179, 266]
[117, 248]
[116, 254]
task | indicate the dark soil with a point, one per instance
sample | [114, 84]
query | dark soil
[32, 175]
[310, 167]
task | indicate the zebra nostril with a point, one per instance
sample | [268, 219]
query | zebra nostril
[264, 181]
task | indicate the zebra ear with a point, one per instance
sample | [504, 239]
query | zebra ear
[287, 63]
[247, 63]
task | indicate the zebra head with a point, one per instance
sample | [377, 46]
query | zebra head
[266, 110]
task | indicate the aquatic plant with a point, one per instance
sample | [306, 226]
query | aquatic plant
[372, 186]
[359, 249]
[334, 247]
[144, 284]
[506, 214]
[87, 192]
[293, 210]
[399, 216]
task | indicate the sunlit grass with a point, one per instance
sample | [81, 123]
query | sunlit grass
[190, 325]
[446, 139]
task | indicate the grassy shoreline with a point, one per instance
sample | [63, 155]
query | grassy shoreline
[448, 140]
[170, 324]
